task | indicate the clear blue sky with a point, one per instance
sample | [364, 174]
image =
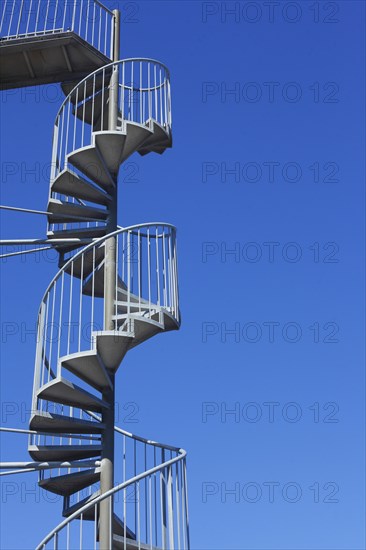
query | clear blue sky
[293, 132]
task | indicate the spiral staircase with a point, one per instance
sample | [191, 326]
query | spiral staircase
[116, 287]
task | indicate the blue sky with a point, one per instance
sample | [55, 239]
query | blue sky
[268, 164]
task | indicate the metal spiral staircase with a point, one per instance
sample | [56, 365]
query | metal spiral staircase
[116, 287]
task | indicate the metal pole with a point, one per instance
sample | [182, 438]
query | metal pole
[107, 467]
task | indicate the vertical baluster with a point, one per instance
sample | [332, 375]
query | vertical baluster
[102, 107]
[83, 123]
[81, 532]
[93, 295]
[155, 502]
[81, 299]
[46, 17]
[73, 15]
[165, 102]
[55, 17]
[3, 15]
[164, 269]
[132, 91]
[140, 92]
[138, 514]
[149, 268]
[161, 99]
[156, 94]
[177, 503]
[105, 33]
[52, 325]
[123, 94]
[149, 94]
[92, 112]
[134, 475]
[37, 16]
[11, 17]
[163, 501]
[157, 265]
[70, 307]
[100, 26]
[95, 525]
[150, 512]
[145, 469]
[60, 324]
[80, 16]
[93, 24]
[64, 15]
[170, 508]
[139, 267]
[128, 275]
[20, 17]
[44, 342]
[87, 20]
[75, 117]
[29, 14]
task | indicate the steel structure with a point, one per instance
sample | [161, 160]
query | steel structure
[116, 286]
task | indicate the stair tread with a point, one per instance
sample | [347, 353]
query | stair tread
[112, 346]
[58, 453]
[67, 484]
[78, 233]
[83, 266]
[63, 391]
[70, 183]
[87, 160]
[88, 367]
[56, 423]
[63, 212]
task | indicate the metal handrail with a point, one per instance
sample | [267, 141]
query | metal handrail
[104, 68]
[117, 488]
[97, 242]
[89, 19]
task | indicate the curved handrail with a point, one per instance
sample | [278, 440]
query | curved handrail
[97, 242]
[103, 69]
[109, 493]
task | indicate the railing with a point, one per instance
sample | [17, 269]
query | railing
[143, 90]
[149, 498]
[152, 505]
[90, 19]
[72, 309]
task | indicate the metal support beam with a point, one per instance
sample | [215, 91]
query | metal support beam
[107, 468]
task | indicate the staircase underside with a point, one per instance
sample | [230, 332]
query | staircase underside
[47, 58]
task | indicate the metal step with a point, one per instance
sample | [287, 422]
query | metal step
[63, 453]
[159, 140]
[89, 515]
[68, 484]
[63, 212]
[87, 366]
[111, 148]
[63, 391]
[112, 346]
[90, 163]
[136, 135]
[78, 233]
[143, 328]
[70, 184]
[85, 264]
[57, 423]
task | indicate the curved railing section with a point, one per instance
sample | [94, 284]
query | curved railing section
[143, 90]
[72, 308]
[89, 19]
[151, 499]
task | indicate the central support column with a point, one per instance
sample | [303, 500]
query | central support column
[110, 281]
